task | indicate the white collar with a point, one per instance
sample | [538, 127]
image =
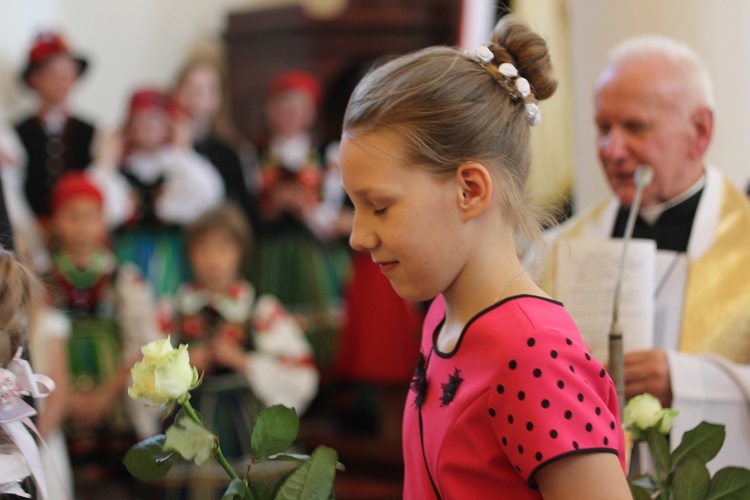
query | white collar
[652, 213]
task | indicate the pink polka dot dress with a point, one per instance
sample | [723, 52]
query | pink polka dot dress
[520, 390]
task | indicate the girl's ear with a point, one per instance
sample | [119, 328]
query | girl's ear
[474, 192]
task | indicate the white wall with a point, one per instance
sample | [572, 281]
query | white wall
[128, 43]
[717, 30]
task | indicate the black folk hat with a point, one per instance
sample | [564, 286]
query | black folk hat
[45, 47]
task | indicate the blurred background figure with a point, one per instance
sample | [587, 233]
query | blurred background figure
[251, 352]
[54, 139]
[168, 185]
[199, 93]
[301, 257]
[111, 315]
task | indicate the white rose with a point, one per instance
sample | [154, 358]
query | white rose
[164, 374]
[668, 415]
[643, 411]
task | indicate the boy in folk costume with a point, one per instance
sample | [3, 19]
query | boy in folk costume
[54, 140]
[112, 315]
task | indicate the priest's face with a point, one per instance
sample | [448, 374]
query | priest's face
[644, 117]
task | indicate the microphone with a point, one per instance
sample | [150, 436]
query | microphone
[644, 174]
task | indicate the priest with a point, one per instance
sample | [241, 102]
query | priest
[654, 106]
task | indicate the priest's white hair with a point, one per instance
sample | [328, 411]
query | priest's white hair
[684, 58]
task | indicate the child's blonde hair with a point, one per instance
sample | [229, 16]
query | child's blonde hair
[450, 109]
[15, 305]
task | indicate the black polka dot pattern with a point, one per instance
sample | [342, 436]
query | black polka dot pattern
[517, 387]
[568, 377]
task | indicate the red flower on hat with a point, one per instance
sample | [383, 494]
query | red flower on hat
[47, 45]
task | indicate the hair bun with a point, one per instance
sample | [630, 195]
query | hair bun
[515, 42]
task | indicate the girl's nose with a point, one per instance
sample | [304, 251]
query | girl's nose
[362, 238]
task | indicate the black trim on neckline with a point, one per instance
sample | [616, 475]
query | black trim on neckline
[436, 331]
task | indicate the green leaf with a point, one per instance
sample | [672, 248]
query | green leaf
[191, 440]
[313, 480]
[300, 458]
[659, 447]
[236, 491]
[639, 493]
[271, 471]
[704, 442]
[274, 431]
[147, 460]
[691, 480]
[730, 483]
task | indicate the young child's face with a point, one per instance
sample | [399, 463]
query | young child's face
[291, 113]
[79, 225]
[199, 92]
[149, 130]
[405, 216]
[55, 79]
[215, 259]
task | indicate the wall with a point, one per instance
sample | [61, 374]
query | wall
[128, 43]
[717, 30]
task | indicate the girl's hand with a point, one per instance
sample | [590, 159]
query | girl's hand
[229, 354]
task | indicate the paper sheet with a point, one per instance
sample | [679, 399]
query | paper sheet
[585, 283]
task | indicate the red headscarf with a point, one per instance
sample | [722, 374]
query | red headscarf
[296, 80]
[72, 185]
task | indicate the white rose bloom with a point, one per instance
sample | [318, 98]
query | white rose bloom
[643, 411]
[164, 374]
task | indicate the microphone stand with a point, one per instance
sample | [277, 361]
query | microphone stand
[643, 177]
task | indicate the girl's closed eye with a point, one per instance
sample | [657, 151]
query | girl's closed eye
[379, 211]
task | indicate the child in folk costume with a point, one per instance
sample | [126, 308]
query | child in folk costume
[505, 400]
[112, 314]
[168, 182]
[251, 351]
[199, 91]
[54, 140]
[300, 257]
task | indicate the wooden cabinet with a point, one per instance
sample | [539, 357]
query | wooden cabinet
[339, 51]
